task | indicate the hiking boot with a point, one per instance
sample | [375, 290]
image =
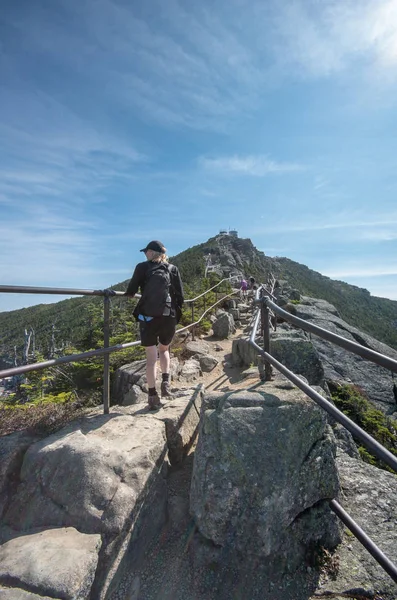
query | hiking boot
[166, 389]
[154, 402]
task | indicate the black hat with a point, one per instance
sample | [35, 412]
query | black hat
[154, 245]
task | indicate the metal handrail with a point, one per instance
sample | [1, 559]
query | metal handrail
[382, 453]
[25, 289]
[338, 415]
[106, 350]
[93, 353]
[362, 435]
[365, 540]
[66, 359]
[372, 355]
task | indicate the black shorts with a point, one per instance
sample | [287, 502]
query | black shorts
[159, 329]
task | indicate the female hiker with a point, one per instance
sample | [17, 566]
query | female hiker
[158, 311]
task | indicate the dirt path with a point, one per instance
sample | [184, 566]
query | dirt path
[226, 376]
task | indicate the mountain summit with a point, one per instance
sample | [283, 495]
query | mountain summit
[230, 255]
[75, 321]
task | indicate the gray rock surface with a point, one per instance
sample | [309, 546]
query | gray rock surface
[195, 347]
[243, 353]
[251, 373]
[134, 374]
[224, 326]
[181, 417]
[73, 556]
[12, 451]
[345, 367]
[235, 313]
[190, 370]
[127, 376]
[369, 495]
[298, 354]
[208, 363]
[94, 475]
[19, 594]
[261, 463]
[87, 475]
[135, 395]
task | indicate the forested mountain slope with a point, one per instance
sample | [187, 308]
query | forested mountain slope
[376, 316]
[78, 321]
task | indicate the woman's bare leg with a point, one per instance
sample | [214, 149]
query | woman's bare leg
[151, 365]
[164, 354]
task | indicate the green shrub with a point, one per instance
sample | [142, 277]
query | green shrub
[353, 403]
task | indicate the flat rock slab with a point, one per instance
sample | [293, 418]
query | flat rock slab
[197, 347]
[73, 556]
[88, 475]
[181, 416]
[18, 594]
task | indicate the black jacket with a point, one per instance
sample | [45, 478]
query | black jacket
[139, 279]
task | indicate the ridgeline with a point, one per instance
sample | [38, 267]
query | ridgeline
[78, 322]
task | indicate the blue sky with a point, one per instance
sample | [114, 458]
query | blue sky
[123, 122]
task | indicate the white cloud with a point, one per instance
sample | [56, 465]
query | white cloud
[257, 166]
[364, 225]
[331, 36]
[203, 66]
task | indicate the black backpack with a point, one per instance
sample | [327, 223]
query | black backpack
[156, 296]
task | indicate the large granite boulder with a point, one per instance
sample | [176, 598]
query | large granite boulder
[196, 347]
[94, 475]
[208, 363]
[181, 417]
[264, 468]
[16, 593]
[129, 384]
[87, 476]
[296, 352]
[190, 370]
[224, 326]
[342, 366]
[73, 556]
[243, 353]
[369, 495]
[135, 395]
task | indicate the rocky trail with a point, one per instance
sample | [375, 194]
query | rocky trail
[167, 571]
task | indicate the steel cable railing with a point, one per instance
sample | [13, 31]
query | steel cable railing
[106, 350]
[262, 314]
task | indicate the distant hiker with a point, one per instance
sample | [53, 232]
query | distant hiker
[253, 285]
[158, 311]
[243, 288]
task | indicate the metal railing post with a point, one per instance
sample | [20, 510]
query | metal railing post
[193, 328]
[266, 337]
[106, 358]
